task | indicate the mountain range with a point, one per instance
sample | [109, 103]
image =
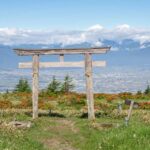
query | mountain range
[125, 53]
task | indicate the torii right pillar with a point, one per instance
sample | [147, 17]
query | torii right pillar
[89, 86]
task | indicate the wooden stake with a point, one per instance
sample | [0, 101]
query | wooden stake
[89, 86]
[119, 108]
[129, 113]
[35, 85]
[130, 110]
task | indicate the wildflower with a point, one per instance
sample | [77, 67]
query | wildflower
[134, 135]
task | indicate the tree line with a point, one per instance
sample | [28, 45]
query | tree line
[54, 87]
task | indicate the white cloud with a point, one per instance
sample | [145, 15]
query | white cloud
[95, 28]
[7, 31]
[93, 35]
[123, 27]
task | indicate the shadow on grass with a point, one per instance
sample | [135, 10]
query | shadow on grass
[52, 114]
[47, 114]
[97, 115]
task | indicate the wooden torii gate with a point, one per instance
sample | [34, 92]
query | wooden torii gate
[87, 63]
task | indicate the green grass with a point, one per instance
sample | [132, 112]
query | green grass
[64, 129]
[71, 133]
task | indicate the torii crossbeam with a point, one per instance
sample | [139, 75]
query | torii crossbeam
[87, 63]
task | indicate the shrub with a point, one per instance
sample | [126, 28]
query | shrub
[43, 93]
[22, 86]
[72, 99]
[4, 104]
[125, 95]
[145, 116]
[111, 97]
[49, 106]
[144, 105]
[46, 105]
[100, 96]
[25, 103]
[102, 106]
[139, 95]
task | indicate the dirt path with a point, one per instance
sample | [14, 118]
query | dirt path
[60, 142]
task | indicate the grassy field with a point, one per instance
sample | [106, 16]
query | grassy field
[60, 132]
[63, 123]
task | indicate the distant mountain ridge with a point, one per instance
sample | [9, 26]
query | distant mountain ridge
[127, 52]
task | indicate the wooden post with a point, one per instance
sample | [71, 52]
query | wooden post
[129, 113]
[35, 85]
[119, 108]
[89, 86]
[61, 57]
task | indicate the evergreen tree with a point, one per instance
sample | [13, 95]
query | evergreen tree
[54, 86]
[147, 90]
[67, 85]
[22, 86]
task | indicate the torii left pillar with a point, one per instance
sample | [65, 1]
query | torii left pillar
[35, 85]
[89, 86]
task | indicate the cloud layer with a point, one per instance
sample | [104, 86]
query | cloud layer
[93, 35]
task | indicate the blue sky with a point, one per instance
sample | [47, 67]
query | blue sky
[73, 14]
[69, 22]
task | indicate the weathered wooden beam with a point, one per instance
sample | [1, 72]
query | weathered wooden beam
[89, 86]
[62, 64]
[35, 85]
[96, 50]
[61, 57]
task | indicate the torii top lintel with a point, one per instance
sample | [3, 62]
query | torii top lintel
[94, 50]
